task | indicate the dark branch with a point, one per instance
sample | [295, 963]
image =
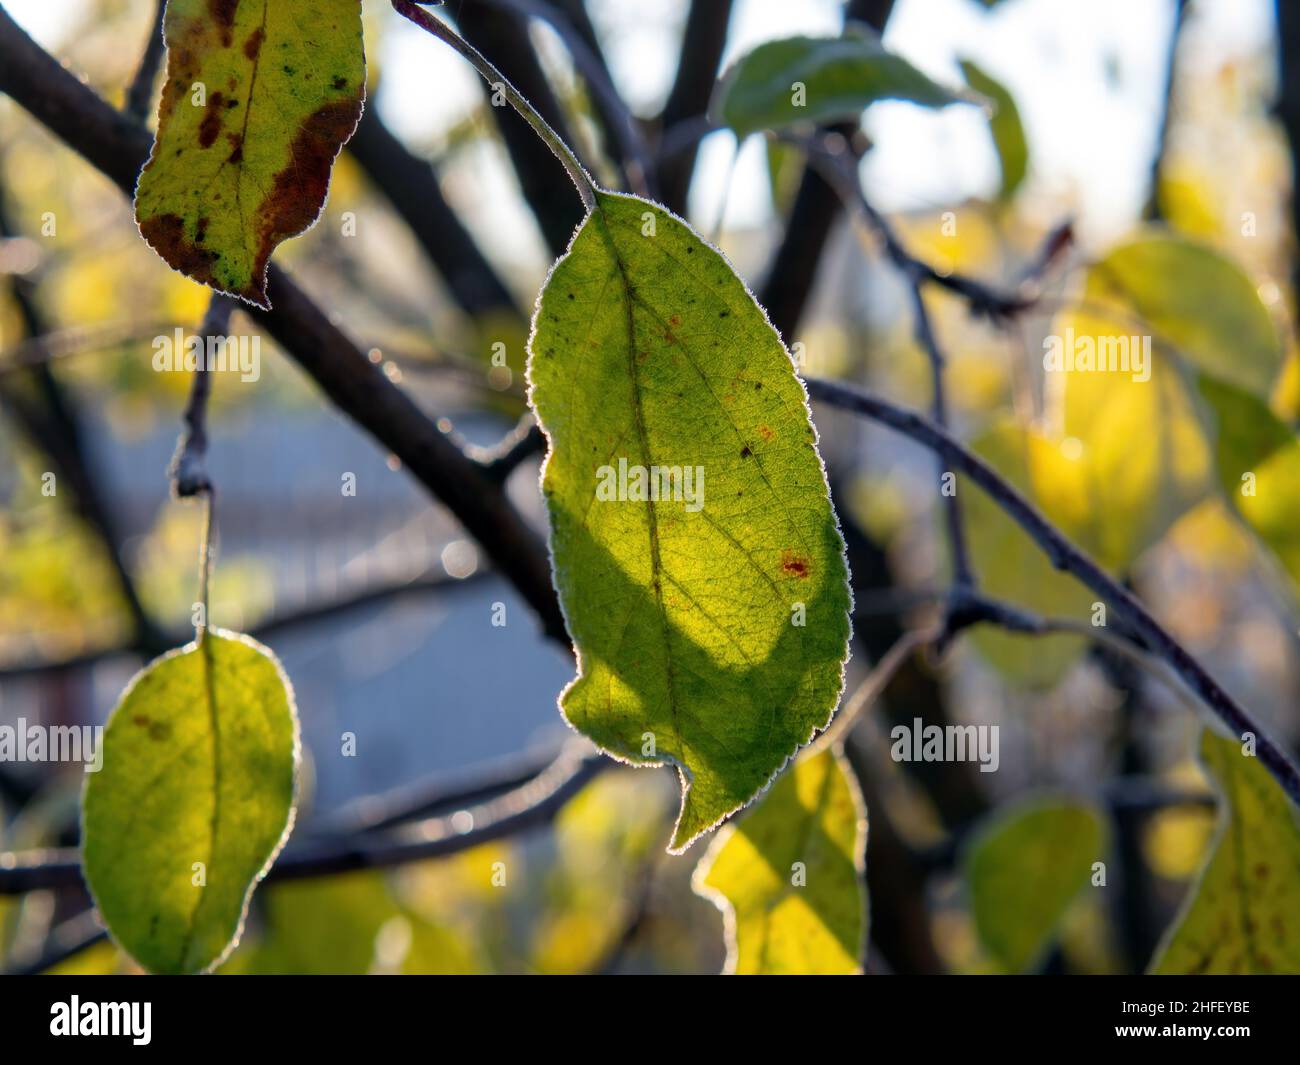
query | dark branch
[410, 184]
[502, 37]
[703, 39]
[533, 805]
[140, 94]
[1064, 555]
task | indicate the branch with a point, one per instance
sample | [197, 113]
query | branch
[265, 629]
[50, 419]
[140, 94]
[533, 805]
[636, 166]
[504, 41]
[410, 184]
[703, 39]
[119, 147]
[1065, 556]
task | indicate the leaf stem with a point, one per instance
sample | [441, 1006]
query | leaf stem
[581, 179]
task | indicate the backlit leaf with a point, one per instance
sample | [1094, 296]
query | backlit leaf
[259, 99]
[193, 801]
[788, 875]
[1245, 429]
[1135, 426]
[1022, 872]
[711, 628]
[820, 79]
[1243, 916]
[1201, 303]
[1004, 125]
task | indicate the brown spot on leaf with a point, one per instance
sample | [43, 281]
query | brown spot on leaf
[745, 452]
[236, 147]
[675, 320]
[210, 127]
[166, 235]
[765, 432]
[793, 564]
[223, 14]
[298, 191]
[141, 719]
[253, 45]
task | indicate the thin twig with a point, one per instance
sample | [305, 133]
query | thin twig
[638, 166]
[188, 470]
[577, 172]
[1064, 555]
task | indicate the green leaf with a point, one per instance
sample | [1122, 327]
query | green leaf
[840, 77]
[788, 875]
[259, 99]
[1203, 304]
[1246, 431]
[1244, 914]
[1022, 872]
[648, 351]
[1271, 511]
[1004, 125]
[194, 800]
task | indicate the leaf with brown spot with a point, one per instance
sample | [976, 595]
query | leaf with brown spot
[711, 614]
[260, 97]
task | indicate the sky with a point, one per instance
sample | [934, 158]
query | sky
[1087, 78]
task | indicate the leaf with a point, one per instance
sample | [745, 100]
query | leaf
[1023, 870]
[200, 765]
[1244, 914]
[648, 350]
[1004, 125]
[1138, 432]
[1271, 511]
[810, 827]
[1246, 431]
[1203, 304]
[840, 77]
[259, 99]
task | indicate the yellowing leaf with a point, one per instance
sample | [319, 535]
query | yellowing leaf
[788, 875]
[193, 801]
[1244, 914]
[1202, 303]
[259, 98]
[1022, 872]
[811, 79]
[710, 621]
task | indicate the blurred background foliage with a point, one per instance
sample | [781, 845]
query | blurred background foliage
[1179, 188]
